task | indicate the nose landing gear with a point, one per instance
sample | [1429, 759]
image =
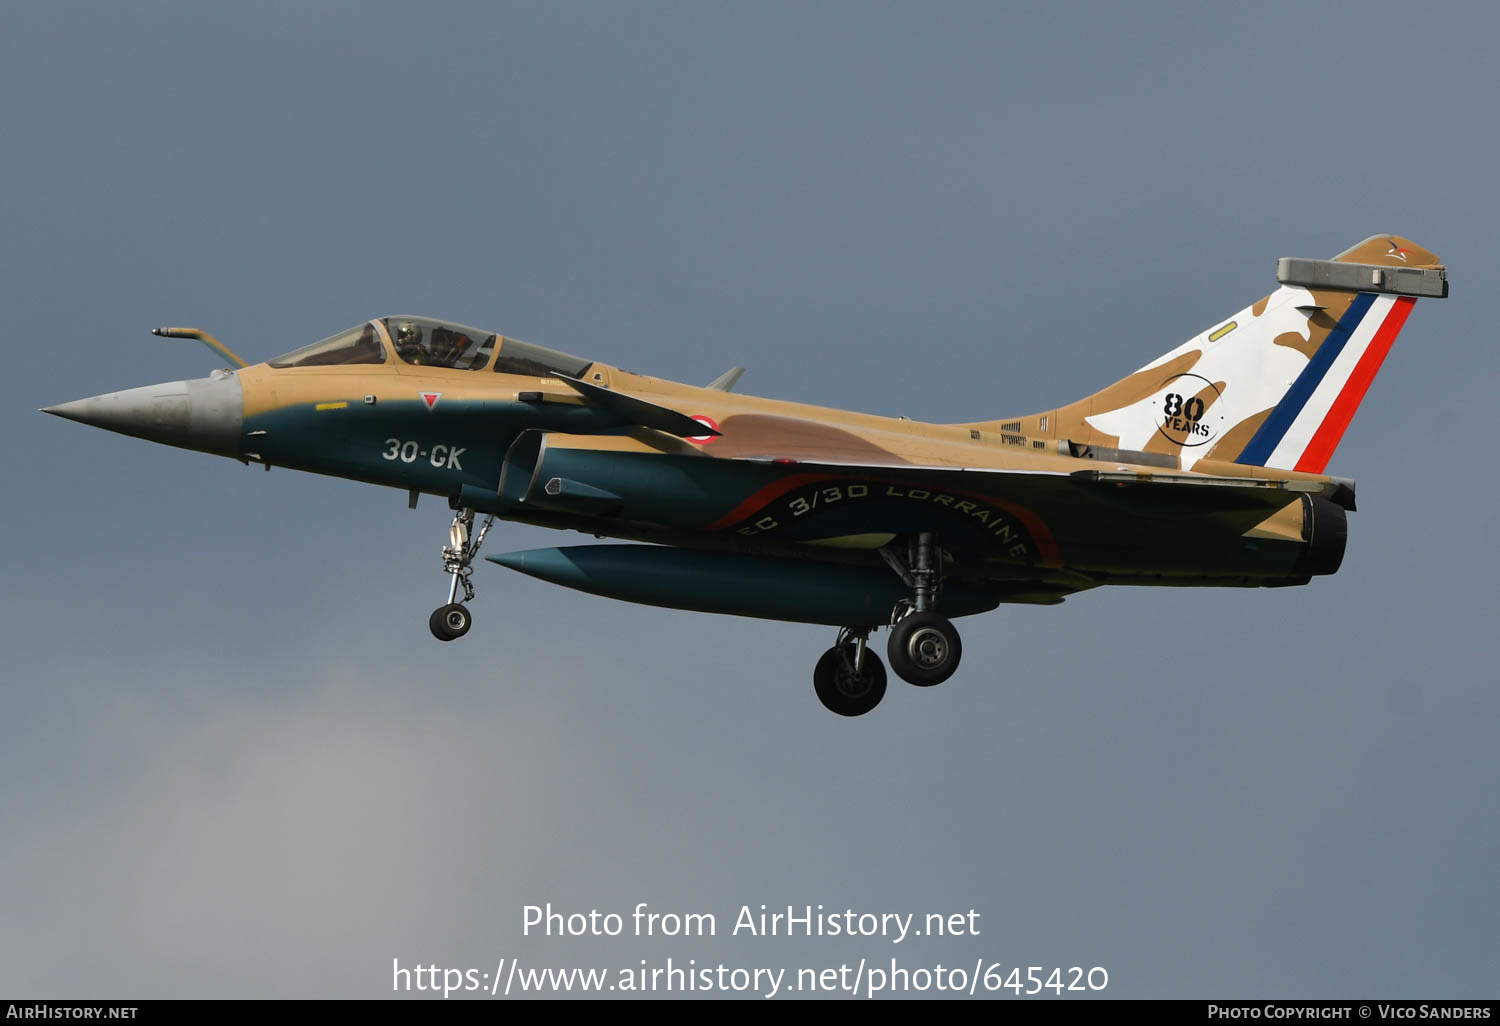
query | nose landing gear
[453, 620]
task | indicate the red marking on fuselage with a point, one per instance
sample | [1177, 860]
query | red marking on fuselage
[1046, 544]
[431, 399]
[774, 490]
[707, 422]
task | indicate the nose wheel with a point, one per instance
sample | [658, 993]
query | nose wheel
[452, 621]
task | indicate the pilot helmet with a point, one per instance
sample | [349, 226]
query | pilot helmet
[408, 333]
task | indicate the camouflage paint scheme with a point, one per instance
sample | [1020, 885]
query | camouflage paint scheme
[1145, 482]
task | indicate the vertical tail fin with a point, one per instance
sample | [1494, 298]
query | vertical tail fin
[1275, 385]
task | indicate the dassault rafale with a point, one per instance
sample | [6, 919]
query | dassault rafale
[1204, 468]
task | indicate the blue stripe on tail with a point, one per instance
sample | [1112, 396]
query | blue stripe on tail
[1285, 414]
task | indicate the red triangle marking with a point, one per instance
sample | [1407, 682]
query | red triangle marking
[431, 398]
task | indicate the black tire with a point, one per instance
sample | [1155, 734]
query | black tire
[924, 649]
[840, 690]
[450, 622]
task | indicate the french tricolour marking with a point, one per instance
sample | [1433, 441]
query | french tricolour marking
[708, 422]
[1288, 452]
[1306, 425]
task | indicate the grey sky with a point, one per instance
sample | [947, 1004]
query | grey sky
[237, 763]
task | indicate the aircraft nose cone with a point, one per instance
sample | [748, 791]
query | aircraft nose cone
[205, 414]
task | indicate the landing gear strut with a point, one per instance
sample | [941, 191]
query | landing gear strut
[850, 679]
[453, 620]
[924, 648]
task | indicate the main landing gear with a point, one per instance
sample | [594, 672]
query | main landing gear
[850, 679]
[453, 620]
[924, 648]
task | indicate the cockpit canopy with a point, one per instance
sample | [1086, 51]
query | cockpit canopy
[423, 342]
[356, 345]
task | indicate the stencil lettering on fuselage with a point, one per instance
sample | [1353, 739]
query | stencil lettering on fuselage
[803, 504]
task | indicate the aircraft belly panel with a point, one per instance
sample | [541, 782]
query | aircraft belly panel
[1045, 521]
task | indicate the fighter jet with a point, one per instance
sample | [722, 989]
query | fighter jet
[1204, 468]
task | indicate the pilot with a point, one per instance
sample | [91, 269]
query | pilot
[408, 339]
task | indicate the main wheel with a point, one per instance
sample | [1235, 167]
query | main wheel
[450, 621]
[841, 689]
[924, 649]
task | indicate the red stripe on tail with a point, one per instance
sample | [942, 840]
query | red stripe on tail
[1320, 449]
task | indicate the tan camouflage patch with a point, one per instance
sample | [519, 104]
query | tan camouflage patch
[1234, 441]
[756, 436]
[1136, 387]
[1306, 346]
[1331, 306]
[1286, 524]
